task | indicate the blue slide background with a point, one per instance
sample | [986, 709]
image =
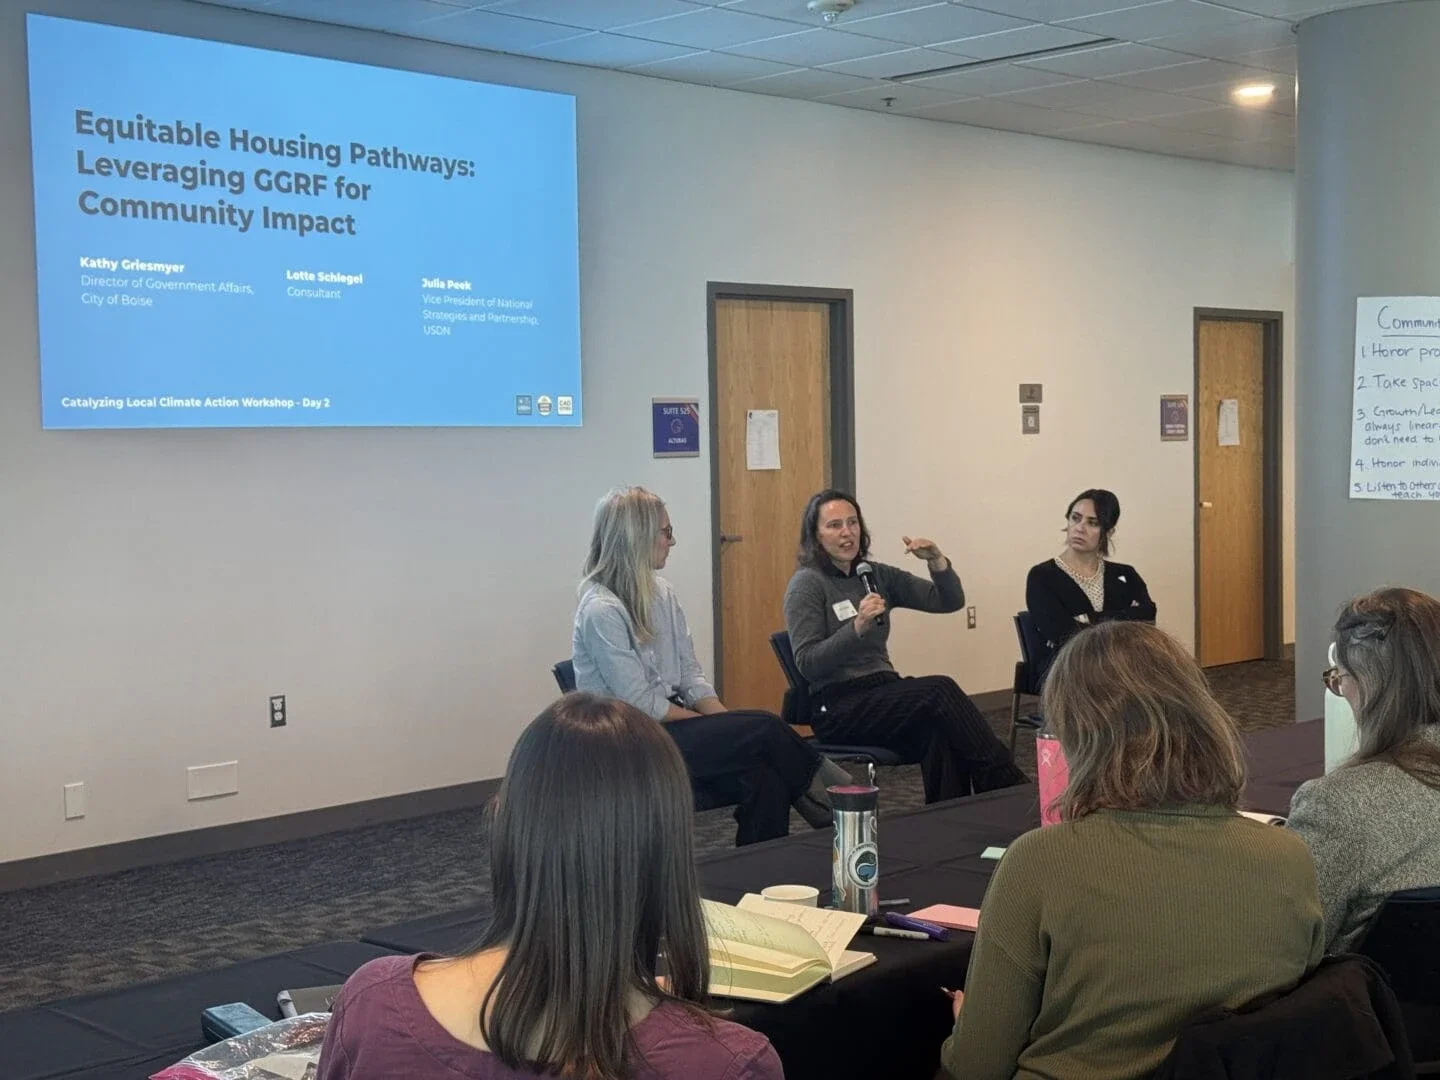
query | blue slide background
[511, 230]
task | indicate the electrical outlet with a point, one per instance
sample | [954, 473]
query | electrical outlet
[277, 710]
[74, 801]
[970, 618]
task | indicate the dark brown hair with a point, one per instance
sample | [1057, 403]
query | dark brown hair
[592, 867]
[1389, 642]
[1107, 513]
[1138, 724]
[810, 552]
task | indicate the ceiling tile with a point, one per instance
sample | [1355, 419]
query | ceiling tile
[988, 112]
[1048, 10]
[609, 50]
[804, 83]
[489, 30]
[903, 98]
[992, 79]
[1229, 41]
[797, 11]
[1232, 123]
[709, 28]
[1027, 39]
[1282, 101]
[1189, 74]
[1159, 19]
[933, 25]
[813, 48]
[373, 14]
[711, 68]
[1285, 61]
[1106, 60]
[1296, 9]
[901, 62]
[1108, 99]
[592, 16]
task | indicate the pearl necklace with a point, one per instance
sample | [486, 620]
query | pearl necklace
[1093, 586]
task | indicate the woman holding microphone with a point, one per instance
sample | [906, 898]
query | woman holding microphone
[836, 610]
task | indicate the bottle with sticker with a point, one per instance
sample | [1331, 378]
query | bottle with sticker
[855, 864]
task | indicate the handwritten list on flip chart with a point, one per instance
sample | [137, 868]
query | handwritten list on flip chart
[1395, 432]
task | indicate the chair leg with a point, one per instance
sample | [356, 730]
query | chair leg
[1014, 720]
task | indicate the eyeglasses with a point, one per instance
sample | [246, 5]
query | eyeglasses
[1334, 680]
[668, 532]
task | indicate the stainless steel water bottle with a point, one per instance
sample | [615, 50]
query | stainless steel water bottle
[855, 865]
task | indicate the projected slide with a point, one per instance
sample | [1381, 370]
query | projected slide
[231, 237]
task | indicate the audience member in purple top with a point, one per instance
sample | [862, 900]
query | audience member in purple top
[592, 872]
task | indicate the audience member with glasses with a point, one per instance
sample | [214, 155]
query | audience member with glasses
[1373, 824]
[631, 642]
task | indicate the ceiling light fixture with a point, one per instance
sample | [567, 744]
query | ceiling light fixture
[830, 10]
[1254, 93]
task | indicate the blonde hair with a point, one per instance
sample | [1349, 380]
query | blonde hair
[622, 551]
[1138, 724]
[1389, 642]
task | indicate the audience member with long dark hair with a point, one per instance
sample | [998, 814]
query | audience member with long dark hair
[592, 874]
[1083, 586]
[839, 629]
[631, 641]
[1373, 824]
[1151, 901]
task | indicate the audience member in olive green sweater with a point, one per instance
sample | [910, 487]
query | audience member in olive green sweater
[1153, 900]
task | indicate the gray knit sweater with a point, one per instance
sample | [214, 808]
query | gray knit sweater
[820, 615]
[1373, 830]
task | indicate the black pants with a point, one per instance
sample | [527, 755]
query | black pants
[929, 720]
[751, 759]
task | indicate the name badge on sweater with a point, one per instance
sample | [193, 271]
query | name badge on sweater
[844, 610]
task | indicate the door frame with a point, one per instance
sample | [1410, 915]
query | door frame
[841, 303]
[1272, 324]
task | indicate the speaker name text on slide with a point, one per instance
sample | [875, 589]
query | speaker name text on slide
[227, 237]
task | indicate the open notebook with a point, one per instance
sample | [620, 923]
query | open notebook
[764, 951]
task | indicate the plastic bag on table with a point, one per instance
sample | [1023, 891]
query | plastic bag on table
[287, 1050]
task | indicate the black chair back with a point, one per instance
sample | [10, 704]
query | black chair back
[1405, 941]
[565, 675]
[1035, 654]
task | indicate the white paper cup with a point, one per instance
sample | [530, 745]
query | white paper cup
[804, 895]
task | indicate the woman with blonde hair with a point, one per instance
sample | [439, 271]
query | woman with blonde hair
[1152, 900]
[592, 869]
[1373, 824]
[631, 641]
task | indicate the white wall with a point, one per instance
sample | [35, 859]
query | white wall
[408, 589]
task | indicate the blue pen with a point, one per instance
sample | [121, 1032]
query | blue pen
[904, 922]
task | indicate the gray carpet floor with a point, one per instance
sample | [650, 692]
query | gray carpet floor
[111, 931]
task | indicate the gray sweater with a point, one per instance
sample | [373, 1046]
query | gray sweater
[820, 616]
[1373, 830]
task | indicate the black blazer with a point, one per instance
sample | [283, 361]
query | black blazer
[1054, 600]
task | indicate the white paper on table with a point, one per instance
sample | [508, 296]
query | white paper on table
[762, 439]
[832, 928]
[1229, 426]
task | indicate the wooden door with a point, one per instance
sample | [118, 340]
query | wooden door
[768, 355]
[1230, 558]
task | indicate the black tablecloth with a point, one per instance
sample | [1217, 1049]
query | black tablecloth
[131, 1033]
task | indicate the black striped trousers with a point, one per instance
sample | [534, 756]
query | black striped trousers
[927, 719]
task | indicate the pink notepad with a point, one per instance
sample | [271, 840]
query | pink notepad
[950, 916]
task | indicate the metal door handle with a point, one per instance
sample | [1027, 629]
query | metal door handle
[1207, 505]
[730, 538]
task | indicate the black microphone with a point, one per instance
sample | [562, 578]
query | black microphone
[866, 573]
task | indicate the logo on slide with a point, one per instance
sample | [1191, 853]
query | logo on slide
[565, 405]
[542, 404]
[522, 404]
